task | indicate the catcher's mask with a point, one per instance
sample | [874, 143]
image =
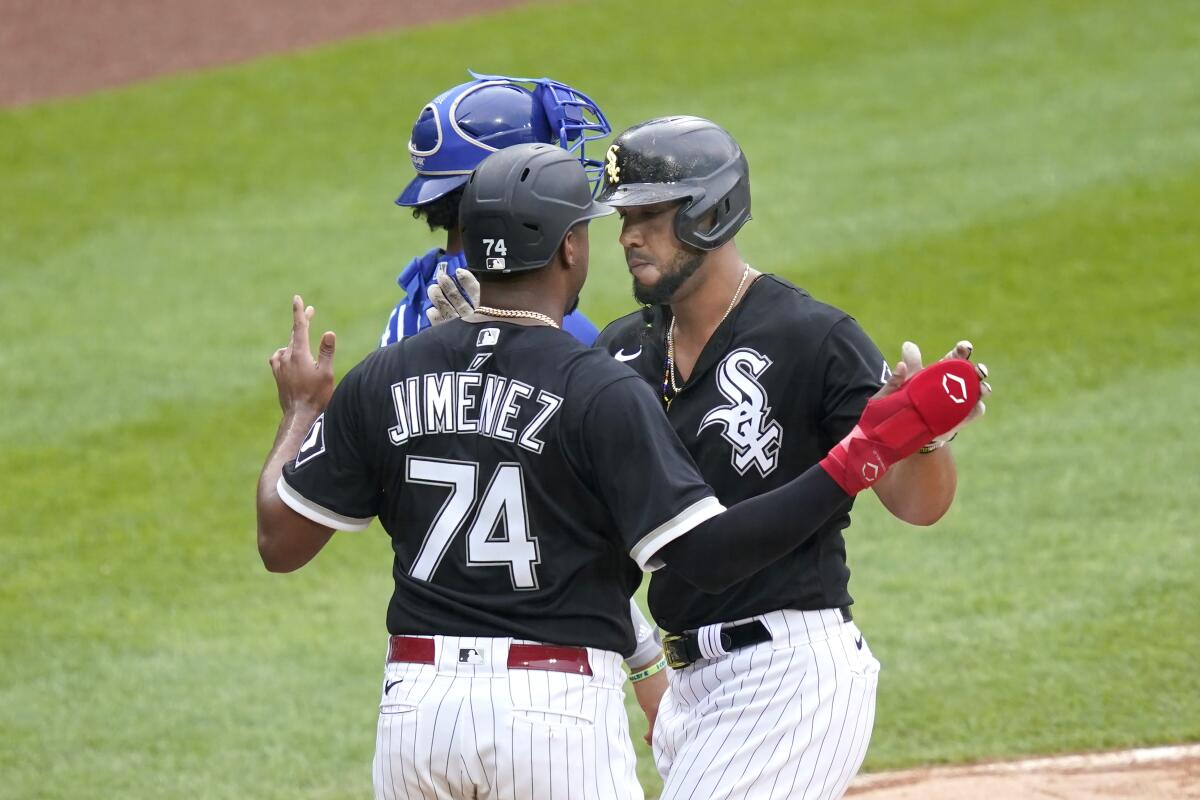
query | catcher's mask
[682, 158]
[518, 206]
[463, 125]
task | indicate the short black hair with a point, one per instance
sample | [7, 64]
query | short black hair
[441, 214]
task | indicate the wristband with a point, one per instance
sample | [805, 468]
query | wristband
[653, 669]
[937, 445]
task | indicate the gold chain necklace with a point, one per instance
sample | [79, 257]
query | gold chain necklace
[514, 314]
[671, 339]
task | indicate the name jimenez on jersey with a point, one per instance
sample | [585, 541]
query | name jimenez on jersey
[470, 403]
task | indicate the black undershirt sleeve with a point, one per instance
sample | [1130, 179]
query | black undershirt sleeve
[754, 533]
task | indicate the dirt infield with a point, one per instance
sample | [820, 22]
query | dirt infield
[57, 48]
[1150, 774]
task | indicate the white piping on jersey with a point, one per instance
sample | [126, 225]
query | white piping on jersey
[317, 512]
[700, 511]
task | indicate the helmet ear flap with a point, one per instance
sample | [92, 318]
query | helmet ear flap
[729, 211]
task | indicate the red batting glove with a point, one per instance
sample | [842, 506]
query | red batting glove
[935, 400]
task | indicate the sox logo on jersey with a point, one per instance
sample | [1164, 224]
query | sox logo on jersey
[314, 442]
[755, 437]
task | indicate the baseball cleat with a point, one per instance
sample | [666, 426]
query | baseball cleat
[934, 401]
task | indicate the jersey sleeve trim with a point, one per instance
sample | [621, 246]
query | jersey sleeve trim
[700, 511]
[316, 512]
[649, 643]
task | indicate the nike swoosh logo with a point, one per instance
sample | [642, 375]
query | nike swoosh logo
[620, 355]
[858, 643]
[387, 687]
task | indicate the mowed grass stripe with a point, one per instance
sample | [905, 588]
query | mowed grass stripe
[1057, 632]
[176, 212]
[1049, 611]
[898, 89]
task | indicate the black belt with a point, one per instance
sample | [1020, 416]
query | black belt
[683, 649]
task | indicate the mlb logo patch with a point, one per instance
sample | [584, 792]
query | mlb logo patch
[313, 444]
[494, 263]
[488, 337]
[470, 655]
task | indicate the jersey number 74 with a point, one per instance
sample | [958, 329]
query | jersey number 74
[504, 499]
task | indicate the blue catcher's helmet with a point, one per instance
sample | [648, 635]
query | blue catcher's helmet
[462, 126]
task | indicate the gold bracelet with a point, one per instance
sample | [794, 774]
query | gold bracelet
[653, 669]
[936, 445]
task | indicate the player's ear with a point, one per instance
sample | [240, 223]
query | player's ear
[574, 249]
[566, 251]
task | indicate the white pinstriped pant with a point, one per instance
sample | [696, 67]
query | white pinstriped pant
[481, 730]
[789, 718]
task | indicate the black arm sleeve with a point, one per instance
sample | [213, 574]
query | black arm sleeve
[754, 533]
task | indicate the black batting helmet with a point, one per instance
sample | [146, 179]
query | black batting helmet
[518, 205]
[681, 158]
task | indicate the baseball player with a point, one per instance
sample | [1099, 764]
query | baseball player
[453, 133]
[773, 691]
[518, 520]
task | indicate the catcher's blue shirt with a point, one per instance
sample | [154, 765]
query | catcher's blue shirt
[408, 317]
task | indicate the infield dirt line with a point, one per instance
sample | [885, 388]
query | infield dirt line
[1067, 763]
[52, 49]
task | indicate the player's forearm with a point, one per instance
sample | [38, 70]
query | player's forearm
[286, 541]
[755, 533]
[920, 489]
[649, 692]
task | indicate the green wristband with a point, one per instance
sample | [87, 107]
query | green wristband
[653, 669]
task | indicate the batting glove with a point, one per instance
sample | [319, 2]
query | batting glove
[448, 300]
[931, 403]
[910, 356]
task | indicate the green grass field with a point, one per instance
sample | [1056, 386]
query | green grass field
[1025, 175]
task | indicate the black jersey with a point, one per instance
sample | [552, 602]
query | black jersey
[781, 381]
[523, 479]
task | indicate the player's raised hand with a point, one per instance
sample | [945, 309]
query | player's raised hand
[910, 363]
[448, 301]
[304, 383]
[893, 427]
[963, 351]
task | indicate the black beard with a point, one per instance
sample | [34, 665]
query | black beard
[683, 266]
[574, 305]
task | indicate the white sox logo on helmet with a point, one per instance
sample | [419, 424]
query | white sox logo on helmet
[610, 164]
[747, 425]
